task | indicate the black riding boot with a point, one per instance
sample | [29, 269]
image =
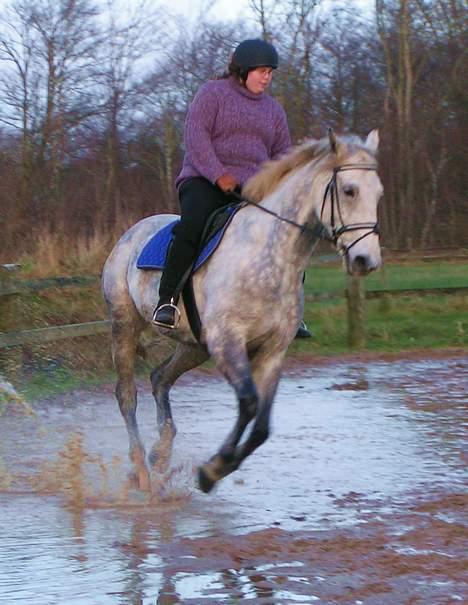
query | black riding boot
[179, 258]
[303, 331]
[198, 199]
[166, 314]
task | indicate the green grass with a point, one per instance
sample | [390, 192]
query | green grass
[331, 278]
[53, 382]
[403, 325]
[394, 323]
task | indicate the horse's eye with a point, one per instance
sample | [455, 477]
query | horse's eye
[349, 190]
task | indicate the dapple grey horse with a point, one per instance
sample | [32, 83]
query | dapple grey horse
[249, 294]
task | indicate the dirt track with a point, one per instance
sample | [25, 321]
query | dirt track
[359, 496]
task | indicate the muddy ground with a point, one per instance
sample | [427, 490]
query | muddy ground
[358, 497]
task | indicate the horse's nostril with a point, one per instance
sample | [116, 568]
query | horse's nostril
[361, 262]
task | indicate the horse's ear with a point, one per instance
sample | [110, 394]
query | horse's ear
[332, 139]
[372, 141]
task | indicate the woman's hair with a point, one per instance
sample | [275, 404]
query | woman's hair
[233, 70]
[249, 55]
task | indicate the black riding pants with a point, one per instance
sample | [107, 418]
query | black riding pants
[198, 199]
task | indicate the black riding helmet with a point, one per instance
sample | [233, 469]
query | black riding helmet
[255, 53]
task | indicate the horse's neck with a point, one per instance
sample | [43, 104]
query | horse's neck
[284, 243]
[296, 197]
[296, 200]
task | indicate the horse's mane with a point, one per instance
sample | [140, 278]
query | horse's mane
[273, 172]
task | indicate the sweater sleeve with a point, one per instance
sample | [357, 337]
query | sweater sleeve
[198, 133]
[282, 141]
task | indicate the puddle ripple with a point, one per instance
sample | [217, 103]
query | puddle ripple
[359, 496]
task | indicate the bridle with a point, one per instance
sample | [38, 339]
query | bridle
[332, 190]
[320, 231]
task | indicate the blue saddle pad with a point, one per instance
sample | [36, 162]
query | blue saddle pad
[153, 255]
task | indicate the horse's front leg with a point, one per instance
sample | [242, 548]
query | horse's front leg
[124, 342]
[255, 392]
[184, 358]
[230, 355]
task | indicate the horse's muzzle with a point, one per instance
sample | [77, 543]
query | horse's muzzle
[362, 264]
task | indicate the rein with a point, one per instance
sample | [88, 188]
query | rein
[320, 231]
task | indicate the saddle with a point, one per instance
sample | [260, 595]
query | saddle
[154, 254]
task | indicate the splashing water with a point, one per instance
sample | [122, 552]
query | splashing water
[85, 480]
[358, 495]
[11, 399]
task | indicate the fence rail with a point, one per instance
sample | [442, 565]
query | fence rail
[373, 294]
[354, 293]
[37, 285]
[52, 333]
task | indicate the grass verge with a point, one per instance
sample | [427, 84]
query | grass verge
[393, 324]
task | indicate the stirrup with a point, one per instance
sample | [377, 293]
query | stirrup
[173, 306]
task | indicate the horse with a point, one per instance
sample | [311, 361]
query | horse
[249, 294]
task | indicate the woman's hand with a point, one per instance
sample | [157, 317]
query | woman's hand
[227, 182]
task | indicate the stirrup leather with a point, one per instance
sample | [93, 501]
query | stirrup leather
[171, 305]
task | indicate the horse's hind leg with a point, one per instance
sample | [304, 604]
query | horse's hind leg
[184, 358]
[125, 335]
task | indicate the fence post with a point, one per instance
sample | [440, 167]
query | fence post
[356, 297]
[10, 359]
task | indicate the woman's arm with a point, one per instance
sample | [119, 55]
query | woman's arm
[198, 134]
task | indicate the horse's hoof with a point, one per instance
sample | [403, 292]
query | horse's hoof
[205, 482]
[132, 480]
[154, 457]
[139, 480]
[160, 458]
[145, 483]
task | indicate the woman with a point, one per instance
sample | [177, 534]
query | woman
[232, 127]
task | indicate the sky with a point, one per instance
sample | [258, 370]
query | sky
[220, 9]
[231, 9]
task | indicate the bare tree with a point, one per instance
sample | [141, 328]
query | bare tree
[443, 118]
[263, 10]
[131, 39]
[348, 79]
[424, 55]
[92, 104]
[396, 22]
[291, 26]
[17, 90]
[49, 48]
[193, 56]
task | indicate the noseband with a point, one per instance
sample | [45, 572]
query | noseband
[331, 190]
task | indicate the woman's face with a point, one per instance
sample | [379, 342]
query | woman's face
[259, 79]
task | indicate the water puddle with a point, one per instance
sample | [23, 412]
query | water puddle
[359, 495]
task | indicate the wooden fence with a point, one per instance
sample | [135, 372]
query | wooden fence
[10, 288]
[355, 296]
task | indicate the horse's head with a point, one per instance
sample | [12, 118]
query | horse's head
[350, 199]
[338, 176]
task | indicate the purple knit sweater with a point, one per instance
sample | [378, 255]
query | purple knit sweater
[231, 130]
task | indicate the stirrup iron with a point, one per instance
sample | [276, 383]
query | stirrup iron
[171, 305]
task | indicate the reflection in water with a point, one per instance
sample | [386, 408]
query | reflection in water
[352, 446]
[238, 584]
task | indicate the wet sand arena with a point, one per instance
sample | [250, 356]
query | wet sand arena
[358, 497]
